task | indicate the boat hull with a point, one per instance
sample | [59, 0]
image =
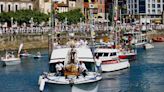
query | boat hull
[72, 81]
[13, 61]
[129, 57]
[88, 87]
[115, 67]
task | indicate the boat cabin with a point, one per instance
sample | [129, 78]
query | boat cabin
[70, 58]
[106, 53]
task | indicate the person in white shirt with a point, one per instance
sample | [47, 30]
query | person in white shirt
[82, 68]
[59, 68]
[98, 63]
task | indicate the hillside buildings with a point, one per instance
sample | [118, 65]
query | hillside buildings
[14, 5]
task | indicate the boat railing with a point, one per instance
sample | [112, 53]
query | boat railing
[67, 46]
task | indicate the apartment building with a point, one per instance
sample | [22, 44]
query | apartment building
[145, 11]
[14, 5]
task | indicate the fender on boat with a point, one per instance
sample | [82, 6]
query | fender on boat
[40, 78]
[42, 84]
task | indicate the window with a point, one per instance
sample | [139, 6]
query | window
[105, 54]
[142, 7]
[158, 6]
[100, 54]
[158, 1]
[153, 5]
[148, 10]
[159, 11]
[113, 54]
[9, 8]
[148, 5]
[153, 11]
[30, 8]
[135, 5]
[1, 8]
[16, 7]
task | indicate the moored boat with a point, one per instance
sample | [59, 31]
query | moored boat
[37, 56]
[148, 46]
[10, 59]
[110, 60]
[158, 39]
[71, 74]
[130, 55]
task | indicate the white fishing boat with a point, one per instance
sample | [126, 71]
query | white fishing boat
[10, 59]
[110, 60]
[148, 46]
[138, 39]
[72, 75]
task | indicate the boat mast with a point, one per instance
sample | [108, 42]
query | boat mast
[115, 18]
[91, 23]
[51, 31]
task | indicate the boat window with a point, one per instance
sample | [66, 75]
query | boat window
[90, 66]
[100, 54]
[105, 54]
[52, 68]
[113, 54]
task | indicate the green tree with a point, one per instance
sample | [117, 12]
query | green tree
[24, 16]
[72, 16]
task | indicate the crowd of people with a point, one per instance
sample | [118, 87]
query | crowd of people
[23, 30]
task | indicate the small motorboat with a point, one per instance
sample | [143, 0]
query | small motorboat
[10, 59]
[37, 56]
[158, 39]
[148, 46]
[110, 60]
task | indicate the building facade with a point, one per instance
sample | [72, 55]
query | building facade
[145, 11]
[14, 5]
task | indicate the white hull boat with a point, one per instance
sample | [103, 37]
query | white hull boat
[86, 87]
[37, 56]
[148, 46]
[71, 75]
[11, 61]
[110, 60]
[115, 66]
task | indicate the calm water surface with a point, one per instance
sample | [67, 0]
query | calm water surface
[146, 74]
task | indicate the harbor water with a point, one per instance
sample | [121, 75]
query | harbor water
[146, 74]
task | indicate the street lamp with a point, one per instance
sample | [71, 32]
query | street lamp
[31, 21]
[11, 21]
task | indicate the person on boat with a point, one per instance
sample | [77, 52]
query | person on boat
[82, 68]
[38, 54]
[59, 68]
[98, 63]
